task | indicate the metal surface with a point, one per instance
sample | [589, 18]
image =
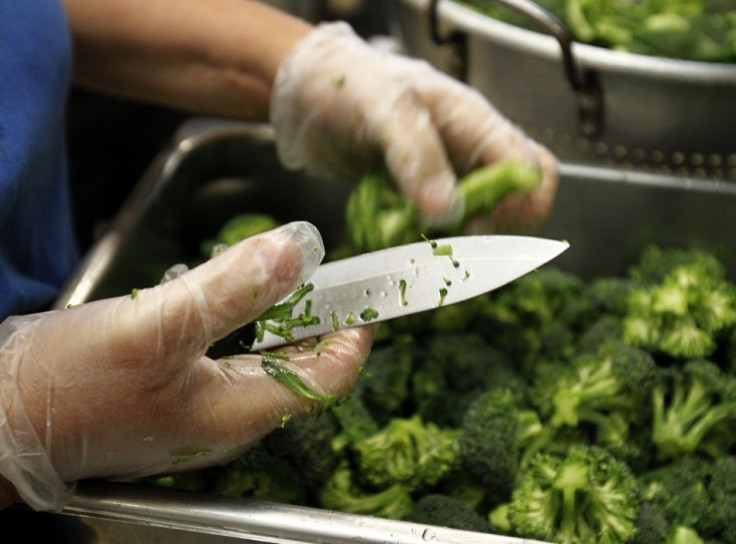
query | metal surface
[660, 115]
[608, 216]
[413, 278]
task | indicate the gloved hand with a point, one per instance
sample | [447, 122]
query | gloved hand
[338, 105]
[122, 387]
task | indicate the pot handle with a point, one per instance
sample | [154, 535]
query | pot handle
[583, 81]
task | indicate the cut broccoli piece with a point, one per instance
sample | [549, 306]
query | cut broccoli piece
[679, 490]
[408, 452]
[455, 368]
[497, 429]
[384, 385]
[586, 496]
[259, 475]
[679, 311]
[238, 228]
[690, 403]
[341, 493]
[446, 511]
[378, 216]
[306, 442]
[617, 378]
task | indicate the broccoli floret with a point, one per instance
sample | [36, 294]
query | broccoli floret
[455, 368]
[446, 511]
[306, 443]
[652, 526]
[616, 378]
[681, 311]
[239, 228]
[260, 475]
[601, 331]
[378, 216]
[717, 521]
[586, 496]
[679, 490]
[408, 452]
[341, 493]
[384, 385]
[690, 403]
[356, 423]
[655, 263]
[607, 296]
[525, 318]
[497, 429]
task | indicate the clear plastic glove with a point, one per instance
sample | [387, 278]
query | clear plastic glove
[122, 387]
[339, 105]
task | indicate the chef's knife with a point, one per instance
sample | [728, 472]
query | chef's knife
[403, 280]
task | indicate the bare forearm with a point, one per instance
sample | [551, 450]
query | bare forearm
[215, 57]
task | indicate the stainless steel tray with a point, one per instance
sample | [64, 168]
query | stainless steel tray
[659, 115]
[213, 170]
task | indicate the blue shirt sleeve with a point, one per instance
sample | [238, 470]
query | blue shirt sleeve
[37, 247]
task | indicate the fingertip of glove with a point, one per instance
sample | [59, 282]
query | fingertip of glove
[308, 239]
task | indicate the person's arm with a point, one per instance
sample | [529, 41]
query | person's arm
[216, 57]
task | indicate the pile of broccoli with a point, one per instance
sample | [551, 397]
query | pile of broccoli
[555, 408]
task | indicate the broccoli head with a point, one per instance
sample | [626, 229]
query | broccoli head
[378, 216]
[679, 311]
[691, 403]
[586, 496]
[616, 378]
[452, 370]
[238, 228]
[446, 511]
[497, 429]
[408, 452]
[260, 475]
[678, 490]
[343, 494]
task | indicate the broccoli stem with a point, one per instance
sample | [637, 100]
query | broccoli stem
[485, 187]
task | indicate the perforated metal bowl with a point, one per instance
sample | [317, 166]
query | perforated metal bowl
[586, 103]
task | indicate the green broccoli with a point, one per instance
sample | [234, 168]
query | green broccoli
[525, 318]
[342, 494]
[498, 428]
[385, 383]
[689, 404]
[356, 423]
[679, 490]
[378, 216]
[306, 443]
[616, 378]
[682, 305]
[586, 496]
[408, 452]
[238, 228]
[260, 475]
[717, 521]
[452, 369]
[446, 511]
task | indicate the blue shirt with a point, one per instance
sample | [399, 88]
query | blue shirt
[37, 247]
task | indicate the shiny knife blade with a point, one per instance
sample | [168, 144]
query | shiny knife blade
[407, 279]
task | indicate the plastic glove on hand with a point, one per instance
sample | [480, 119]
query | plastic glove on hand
[122, 387]
[339, 105]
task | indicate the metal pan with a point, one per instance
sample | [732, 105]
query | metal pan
[587, 104]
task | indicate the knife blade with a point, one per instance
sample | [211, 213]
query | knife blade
[403, 280]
